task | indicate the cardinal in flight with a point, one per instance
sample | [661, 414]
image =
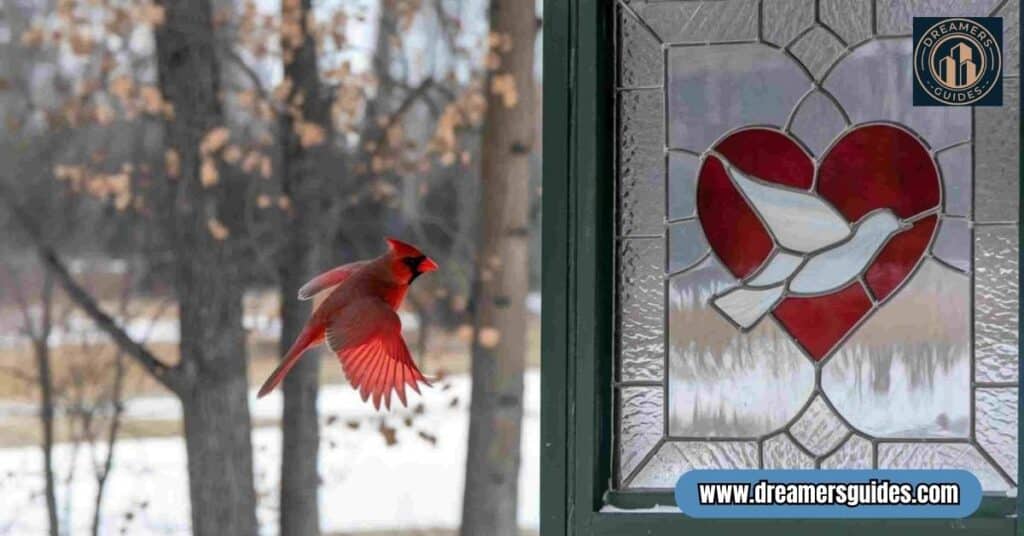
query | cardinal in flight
[358, 321]
[816, 250]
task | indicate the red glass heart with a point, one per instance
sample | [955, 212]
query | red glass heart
[870, 167]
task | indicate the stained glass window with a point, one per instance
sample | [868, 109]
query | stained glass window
[811, 272]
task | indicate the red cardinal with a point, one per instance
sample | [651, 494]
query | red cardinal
[359, 323]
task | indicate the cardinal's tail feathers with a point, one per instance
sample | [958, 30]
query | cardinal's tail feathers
[745, 306]
[310, 336]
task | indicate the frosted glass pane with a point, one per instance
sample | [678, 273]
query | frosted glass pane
[675, 458]
[955, 165]
[714, 89]
[850, 19]
[996, 300]
[819, 429]
[783, 20]
[817, 50]
[997, 426]
[686, 245]
[856, 453]
[641, 322]
[912, 354]
[640, 62]
[682, 189]
[641, 162]
[953, 244]
[873, 83]
[941, 456]
[817, 122]
[700, 22]
[641, 424]
[997, 159]
[722, 382]
[896, 17]
[781, 453]
[1011, 37]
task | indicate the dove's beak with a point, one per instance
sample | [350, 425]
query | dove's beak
[904, 225]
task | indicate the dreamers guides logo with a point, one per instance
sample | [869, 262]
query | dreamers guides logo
[958, 61]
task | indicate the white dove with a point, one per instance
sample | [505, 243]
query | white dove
[816, 250]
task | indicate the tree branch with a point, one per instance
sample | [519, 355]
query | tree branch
[251, 74]
[170, 377]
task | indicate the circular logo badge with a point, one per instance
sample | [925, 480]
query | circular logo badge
[957, 61]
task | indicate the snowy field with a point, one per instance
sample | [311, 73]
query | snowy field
[367, 485]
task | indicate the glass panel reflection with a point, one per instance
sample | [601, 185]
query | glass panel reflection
[912, 354]
[714, 89]
[722, 382]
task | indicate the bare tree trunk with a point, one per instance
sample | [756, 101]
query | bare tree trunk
[46, 403]
[302, 181]
[496, 409]
[207, 282]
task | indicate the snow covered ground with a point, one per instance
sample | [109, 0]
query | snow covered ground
[366, 484]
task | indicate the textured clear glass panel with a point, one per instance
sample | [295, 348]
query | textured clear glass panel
[641, 316]
[850, 19]
[874, 83]
[817, 50]
[995, 301]
[641, 162]
[856, 453]
[714, 89]
[780, 453]
[912, 354]
[997, 425]
[896, 17]
[686, 245]
[819, 429]
[817, 122]
[953, 244]
[955, 165]
[997, 158]
[640, 57]
[682, 189]
[641, 424]
[1010, 13]
[699, 22]
[723, 382]
[675, 458]
[941, 456]
[783, 20]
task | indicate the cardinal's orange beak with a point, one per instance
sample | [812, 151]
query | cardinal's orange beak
[427, 265]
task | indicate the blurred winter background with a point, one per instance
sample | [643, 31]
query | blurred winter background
[172, 171]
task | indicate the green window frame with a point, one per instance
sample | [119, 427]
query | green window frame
[577, 421]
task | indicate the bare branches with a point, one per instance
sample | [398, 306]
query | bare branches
[250, 73]
[403, 108]
[170, 377]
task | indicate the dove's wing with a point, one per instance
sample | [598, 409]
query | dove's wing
[834, 268]
[778, 268]
[798, 220]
